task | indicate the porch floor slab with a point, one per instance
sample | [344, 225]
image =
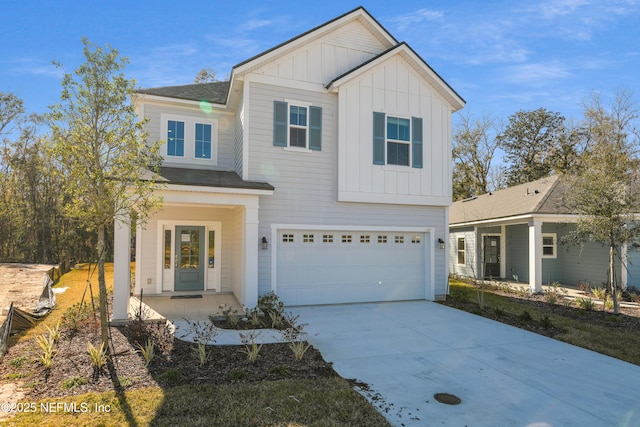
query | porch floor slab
[189, 306]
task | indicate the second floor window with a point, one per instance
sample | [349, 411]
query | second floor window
[175, 138]
[398, 141]
[203, 141]
[297, 126]
[190, 139]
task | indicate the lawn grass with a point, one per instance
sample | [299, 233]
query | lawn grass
[76, 281]
[618, 343]
[322, 402]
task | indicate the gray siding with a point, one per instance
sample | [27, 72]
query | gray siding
[306, 183]
[586, 263]
[470, 267]
[517, 249]
[226, 131]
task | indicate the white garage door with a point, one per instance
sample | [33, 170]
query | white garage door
[327, 267]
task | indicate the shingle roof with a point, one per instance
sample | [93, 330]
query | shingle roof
[215, 92]
[542, 196]
[208, 178]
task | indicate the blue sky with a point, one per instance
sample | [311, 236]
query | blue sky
[500, 56]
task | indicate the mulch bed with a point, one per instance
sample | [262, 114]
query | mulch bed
[627, 320]
[176, 363]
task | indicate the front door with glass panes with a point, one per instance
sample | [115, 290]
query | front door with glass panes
[189, 258]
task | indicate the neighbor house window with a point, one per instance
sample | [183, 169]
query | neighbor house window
[461, 251]
[549, 245]
[175, 138]
[397, 140]
[297, 125]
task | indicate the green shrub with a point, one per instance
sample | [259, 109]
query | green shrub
[585, 303]
[17, 362]
[546, 323]
[170, 377]
[72, 382]
[525, 316]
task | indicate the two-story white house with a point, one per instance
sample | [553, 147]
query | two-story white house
[320, 171]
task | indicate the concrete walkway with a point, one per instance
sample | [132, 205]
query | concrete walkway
[408, 351]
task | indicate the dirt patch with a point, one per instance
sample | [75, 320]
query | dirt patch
[22, 285]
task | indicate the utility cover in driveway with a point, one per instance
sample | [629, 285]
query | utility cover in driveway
[328, 266]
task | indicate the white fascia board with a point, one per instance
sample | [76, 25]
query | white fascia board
[175, 188]
[164, 100]
[520, 219]
[393, 199]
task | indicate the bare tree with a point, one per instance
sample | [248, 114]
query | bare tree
[474, 148]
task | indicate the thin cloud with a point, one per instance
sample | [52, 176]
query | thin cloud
[536, 74]
[35, 67]
[420, 16]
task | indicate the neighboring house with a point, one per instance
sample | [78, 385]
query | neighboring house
[320, 171]
[515, 234]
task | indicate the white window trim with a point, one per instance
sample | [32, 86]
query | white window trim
[464, 250]
[555, 245]
[296, 103]
[189, 140]
[399, 168]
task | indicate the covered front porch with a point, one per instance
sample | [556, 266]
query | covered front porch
[530, 250]
[201, 247]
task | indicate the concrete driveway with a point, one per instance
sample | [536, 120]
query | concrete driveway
[408, 351]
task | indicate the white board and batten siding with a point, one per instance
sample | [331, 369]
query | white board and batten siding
[327, 57]
[394, 88]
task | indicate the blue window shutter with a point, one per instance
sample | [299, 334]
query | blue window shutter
[280, 123]
[416, 143]
[378, 138]
[315, 128]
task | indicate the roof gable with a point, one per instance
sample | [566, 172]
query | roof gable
[404, 51]
[360, 15]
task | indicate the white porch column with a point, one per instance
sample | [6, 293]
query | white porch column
[250, 296]
[535, 255]
[121, 269]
